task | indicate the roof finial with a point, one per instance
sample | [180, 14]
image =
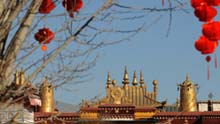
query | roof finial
[46, 81]
[16, 78]
[187, 77]
[125, 79]
[141, 78]
[114, 82]
[108, 80]
[134, 79]
[22, 77]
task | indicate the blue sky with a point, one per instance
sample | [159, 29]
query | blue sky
[166, 59]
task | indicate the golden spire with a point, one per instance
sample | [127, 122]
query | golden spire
[188, 96]
[134, 79]
[22, 77]
[47, 96]
[141, 78]
[108, 80]
[125, 79]
[155, 83]
[16, 80]
[19, 78]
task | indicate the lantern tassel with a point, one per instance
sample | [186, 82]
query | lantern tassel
[162, 2]
[216, 63]
[44, 58]
[44, 48]
[208, 73]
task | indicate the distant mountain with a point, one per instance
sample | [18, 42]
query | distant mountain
[66, 107]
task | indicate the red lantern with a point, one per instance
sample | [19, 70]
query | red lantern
[205, 46]
[205, 13]
[44, 36]
[46, 6]
[72, 6]
[211, 30]
[213, 2]
[196, 3]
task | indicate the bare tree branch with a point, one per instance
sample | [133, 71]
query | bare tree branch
[16, 43]
[105, 6]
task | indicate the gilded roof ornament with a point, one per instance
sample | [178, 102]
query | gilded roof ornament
[134, 79]
[117, 94]
[108, 79]
[17, 78]
[187, 77]
[22, 77]
[125, 79]
[187, 81]
[114, 82]
[188, 98]
[46, 80]
[47, 96]
[108, 83]
[155, 82]
[141, 78]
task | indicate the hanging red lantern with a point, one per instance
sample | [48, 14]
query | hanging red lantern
[211, 30]
[196, 3]
[46, 7]
[213, 2]
[44, 36]
[205, 13]
[72, 6]
[205, 46]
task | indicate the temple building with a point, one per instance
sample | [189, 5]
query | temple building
[128, 102]
[135, 93]
[23, 99]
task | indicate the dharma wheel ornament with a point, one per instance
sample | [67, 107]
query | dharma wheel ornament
[72, 6]
[44, 36]
[46, 7]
